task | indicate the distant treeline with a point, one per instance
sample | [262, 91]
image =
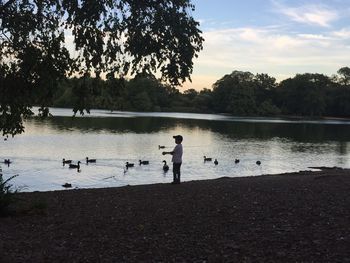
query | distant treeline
[239, 93]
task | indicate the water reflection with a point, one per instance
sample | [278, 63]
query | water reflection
[300, 132]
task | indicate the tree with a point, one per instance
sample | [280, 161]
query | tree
[338, 97]
[234, 93]
[305, 94]
[344, 72]
[114, 93]
[142, 102]
[120, 37]
[190, 94]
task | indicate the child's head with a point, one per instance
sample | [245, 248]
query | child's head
[178, 139]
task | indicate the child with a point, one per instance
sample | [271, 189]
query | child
[177, 158]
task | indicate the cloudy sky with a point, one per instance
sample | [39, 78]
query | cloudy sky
[277, 37]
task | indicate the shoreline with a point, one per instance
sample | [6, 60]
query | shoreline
[316, 169]
[312, 170]
[141, 113]
[291, 217]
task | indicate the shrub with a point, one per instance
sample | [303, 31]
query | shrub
[6, 193]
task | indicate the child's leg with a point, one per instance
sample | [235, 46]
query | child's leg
[174, 172]
[177, 172]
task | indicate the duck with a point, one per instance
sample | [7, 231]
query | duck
[75, 166]
[258, 162]
[67, 185]
[207, 159]
[216, 162]
[236, 161]
[165, 166]
[127, 165]
[7, 161]
[64, 161]
[90, 160]
[161, 147]
[144, 162]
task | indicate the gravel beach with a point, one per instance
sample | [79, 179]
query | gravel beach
[296, 217]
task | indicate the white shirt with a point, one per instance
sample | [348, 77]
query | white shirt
[177, 154]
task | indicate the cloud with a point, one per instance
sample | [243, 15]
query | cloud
[343, 33]
[317, 15]
[269, 50]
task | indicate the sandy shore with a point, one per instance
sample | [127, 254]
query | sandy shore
[300, 217]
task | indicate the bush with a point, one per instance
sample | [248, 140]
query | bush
[6, 193]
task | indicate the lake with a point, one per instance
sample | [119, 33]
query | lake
[113, 138]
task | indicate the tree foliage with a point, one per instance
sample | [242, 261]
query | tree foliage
[243, 93]
[113, 37]
[305, 94]
[239, 93]
[344, 73]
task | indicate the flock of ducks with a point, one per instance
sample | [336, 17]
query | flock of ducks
[216, 162]
[76, 166]
[128, 165]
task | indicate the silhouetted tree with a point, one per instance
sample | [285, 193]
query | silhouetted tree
[305, 94]
[117, 37]
[344, 73]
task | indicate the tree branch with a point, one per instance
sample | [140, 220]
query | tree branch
[3, 7]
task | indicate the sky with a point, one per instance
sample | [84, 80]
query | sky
[278, 37]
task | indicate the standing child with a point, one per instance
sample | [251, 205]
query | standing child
[177, 158]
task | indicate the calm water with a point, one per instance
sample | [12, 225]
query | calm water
[114, 138]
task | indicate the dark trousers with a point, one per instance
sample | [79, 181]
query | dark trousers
[176, 172]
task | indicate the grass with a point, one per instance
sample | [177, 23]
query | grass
[7, 194]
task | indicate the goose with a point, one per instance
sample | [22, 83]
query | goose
[74, 166]
[90, 160]
[258, 162]
[236, 160]
[165, 166]
[216, 162]
[67, 185]
[207, 159]
[64, 161]
[127, 165]
[161, 147]
[144, 162]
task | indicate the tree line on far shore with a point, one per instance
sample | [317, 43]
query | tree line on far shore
[239, 93]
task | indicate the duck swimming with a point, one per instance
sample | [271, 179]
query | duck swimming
[7, 161]
[207, 159]
[144, 162]
[127, 165]
[90, 160]
[64, 161]
[66, 185]
[75, 166]
[216, 162]
[165, 166]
